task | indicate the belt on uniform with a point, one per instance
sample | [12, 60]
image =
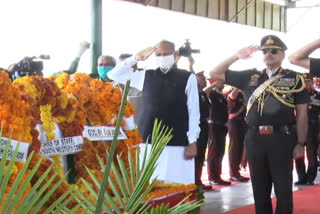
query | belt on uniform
[269, 130]
[216, 123]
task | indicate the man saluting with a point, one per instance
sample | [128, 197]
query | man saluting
[275, 134]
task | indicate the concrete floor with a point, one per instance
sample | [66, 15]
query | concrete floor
[229, 198]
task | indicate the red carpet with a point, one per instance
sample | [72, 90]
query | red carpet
[305, 201]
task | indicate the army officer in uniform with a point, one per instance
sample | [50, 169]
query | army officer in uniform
[306, 177]
[275, 134]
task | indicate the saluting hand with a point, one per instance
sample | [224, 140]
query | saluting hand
[190, 151]
[145, 53]
[298, 151]
[246, 52]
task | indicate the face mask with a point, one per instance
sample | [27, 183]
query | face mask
[165, 62]
[103, 70]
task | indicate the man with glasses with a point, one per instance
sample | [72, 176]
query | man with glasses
[275, 134]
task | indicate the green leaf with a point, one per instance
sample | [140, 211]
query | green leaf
[58, 202]
[39, 193]
[112, 149]
[116, 192]
[124, 174]
[3, 161]
[119, 181]
[106, 195]
[132, 168]
[6, 177]
[15, 186]
[84, 201]
[33, 192]
[48, 195]
[95, 194]
[137, 165]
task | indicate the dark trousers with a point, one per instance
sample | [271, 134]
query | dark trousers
[237, 131]
[201, 151]
[216, 148]
[270, 160]
[312, 146]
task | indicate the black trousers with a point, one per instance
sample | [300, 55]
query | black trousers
[216, 148]
[237, 132]
[270, 160]
[201, 151]
[312, 146]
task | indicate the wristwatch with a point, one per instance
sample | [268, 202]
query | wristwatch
[302, 143]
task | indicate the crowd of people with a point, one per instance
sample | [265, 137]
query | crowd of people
[265, 113]
[270, 116]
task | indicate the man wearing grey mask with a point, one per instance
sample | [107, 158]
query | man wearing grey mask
[170, 95]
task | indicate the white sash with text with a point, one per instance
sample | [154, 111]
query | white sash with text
[22, 152]
[97, 133]
[62, 146]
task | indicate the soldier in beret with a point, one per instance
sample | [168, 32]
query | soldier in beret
[307, 177]
[275, 134]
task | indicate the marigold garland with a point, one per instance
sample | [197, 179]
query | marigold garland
[49, 105]
[72, 102]
[48, 126]
[101, 104]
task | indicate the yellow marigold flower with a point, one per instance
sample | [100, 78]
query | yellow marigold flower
[51, 136]
[63, 98]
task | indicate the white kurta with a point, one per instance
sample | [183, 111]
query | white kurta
[171, 165]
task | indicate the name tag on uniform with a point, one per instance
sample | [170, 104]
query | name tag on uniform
[285, 83]
[254, 80]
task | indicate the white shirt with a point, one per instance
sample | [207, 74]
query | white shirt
[271, 72]
[122, 72]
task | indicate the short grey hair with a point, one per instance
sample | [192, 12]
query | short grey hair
[111, 58]
[171, 44]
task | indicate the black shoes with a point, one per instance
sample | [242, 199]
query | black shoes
[239, 178]
[303, 182]
[310, 183]
[220, 182]
[205, 187]
[300, 182]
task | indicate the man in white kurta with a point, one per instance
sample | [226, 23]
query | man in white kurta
[171, 95]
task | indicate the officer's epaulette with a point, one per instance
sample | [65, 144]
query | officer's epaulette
[288, 72]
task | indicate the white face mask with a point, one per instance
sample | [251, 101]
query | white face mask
[165, 62]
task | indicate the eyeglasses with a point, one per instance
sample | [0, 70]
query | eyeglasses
[272, 51]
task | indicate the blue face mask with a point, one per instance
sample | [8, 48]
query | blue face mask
[103, 70]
